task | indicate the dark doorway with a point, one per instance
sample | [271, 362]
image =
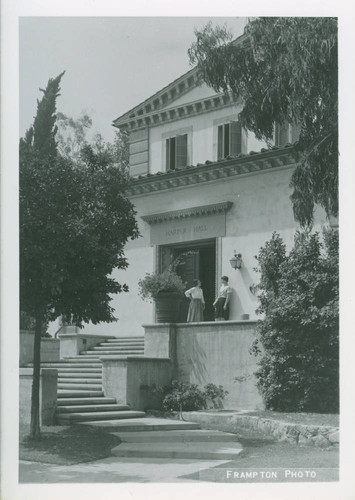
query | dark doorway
[198, 262]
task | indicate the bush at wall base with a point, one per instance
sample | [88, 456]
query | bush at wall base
[299, 333]
[184, 396]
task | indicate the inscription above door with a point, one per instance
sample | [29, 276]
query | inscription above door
[189, 229]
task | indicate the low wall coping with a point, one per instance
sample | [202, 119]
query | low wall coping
[132, 358]
[85, 335]
[203, 323]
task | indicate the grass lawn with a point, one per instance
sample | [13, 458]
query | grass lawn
[328, 419]
[261, 453]
[66, 445]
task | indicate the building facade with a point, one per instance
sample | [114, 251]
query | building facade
[204, 185]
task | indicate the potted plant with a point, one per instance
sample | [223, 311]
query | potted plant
[167, 290]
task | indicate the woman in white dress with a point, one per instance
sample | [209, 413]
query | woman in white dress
[221, 304]
[197, 304]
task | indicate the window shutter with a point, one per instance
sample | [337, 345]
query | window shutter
[167, 154]
[235, 138]
[181, 150]
[220, 142]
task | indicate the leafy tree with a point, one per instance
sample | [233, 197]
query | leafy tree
[74, 223]
[72, 138]
[71, 134]
[283, 69]
[298, 336]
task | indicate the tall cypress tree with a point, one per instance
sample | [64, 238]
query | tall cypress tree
[39, 145]
[74, 223]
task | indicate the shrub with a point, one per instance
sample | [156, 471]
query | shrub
[214, 394]
[298, 368]
[152, 284]
[167, 281]
[184, 396]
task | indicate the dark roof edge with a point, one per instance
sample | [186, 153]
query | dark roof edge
[264, 153]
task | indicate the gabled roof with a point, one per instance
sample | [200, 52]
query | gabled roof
[143, 113]
[162, 98]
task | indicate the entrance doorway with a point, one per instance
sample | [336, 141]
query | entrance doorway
[198, 261]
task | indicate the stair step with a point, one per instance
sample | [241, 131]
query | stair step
[137, 343]
[84, 401]
[99, 415]
[91, 408]
[116, 348]
[81, 387]
[90, 381]
[66, 364]
[191, 450]
[79, 374]
[79, 362]
[126, 352]
[176, 436]
[142, 424]
[80, 369]
[125, 339]
[68, 393]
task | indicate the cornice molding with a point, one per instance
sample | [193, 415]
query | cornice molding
[209, 172]
[174, 113]
[217, 208]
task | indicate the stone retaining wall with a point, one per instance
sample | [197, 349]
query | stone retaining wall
[310, 435]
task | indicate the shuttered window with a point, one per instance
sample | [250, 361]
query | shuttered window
[229, 139]
[176, 152]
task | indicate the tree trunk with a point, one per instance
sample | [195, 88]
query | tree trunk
[180, 412]
[35, 432]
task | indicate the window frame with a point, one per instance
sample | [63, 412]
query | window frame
[173, 135]
[225, 144]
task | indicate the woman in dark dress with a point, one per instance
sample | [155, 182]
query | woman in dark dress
[197, 304]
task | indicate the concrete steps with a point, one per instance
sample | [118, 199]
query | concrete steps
[109, 352]
[142, 424]
[82, 387]
[90, 408]
[80, 395]
[66, 393]
[66, 418]
[187, 450]
[176, 436]
[63, 401]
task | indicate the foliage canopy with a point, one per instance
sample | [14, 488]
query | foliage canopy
[299, 334]
[283, 69]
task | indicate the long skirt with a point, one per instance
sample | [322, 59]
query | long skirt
[220, 312]
[195, 313]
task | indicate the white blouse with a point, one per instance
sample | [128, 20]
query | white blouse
[195, 292]
[224, 291]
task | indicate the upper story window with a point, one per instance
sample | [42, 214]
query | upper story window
[286, 133]
[282, 134]
[229, 139]
[176, 152]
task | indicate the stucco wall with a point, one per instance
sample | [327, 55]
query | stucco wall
[47, 395]
[204, 138]
[49, 348]
[261, 205]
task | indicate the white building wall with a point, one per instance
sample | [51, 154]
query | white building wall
[261, 205]
[203, 143]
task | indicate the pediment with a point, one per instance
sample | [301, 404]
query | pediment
[162, 99]
[194, 94]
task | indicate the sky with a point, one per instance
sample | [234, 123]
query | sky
[111, 63]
